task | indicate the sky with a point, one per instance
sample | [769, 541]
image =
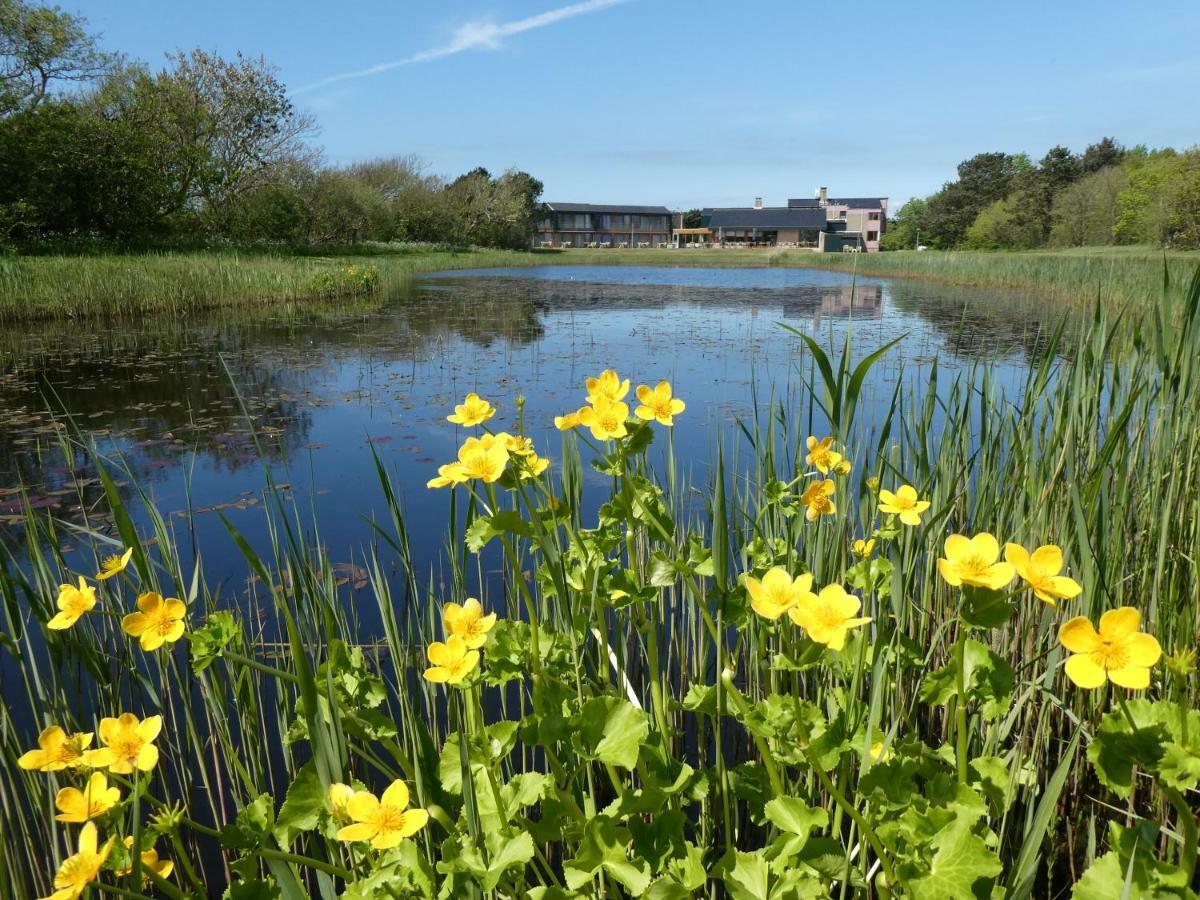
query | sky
[692, 104]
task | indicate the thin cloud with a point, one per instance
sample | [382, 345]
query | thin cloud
[472, 35]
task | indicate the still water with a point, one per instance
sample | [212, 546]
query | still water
[325, 386]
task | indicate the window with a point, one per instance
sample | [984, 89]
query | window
[874, 217]
[872, 235]
[842, 214]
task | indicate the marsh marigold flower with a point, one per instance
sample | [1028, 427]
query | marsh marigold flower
[150, 862]
[608, 387]
[384, 821]
[843, 467]
[56, 751]
[96, 798]
[821, 454]
[468, 622]
[451, 473]
[880, 753]
[568, 421]
[113, 565]
[73, 602]
[974, 561]
[81, 869]
[337, 799]
[777, 592]
[1118, 652]
[1040, 569]
[128, 744]
[474, 410]
[657, 404]
[817, 499]
[827, 616]
[482, 459]
[452, 661]
[863, 549]
[158, 622]
[903, 503]
[606, 419]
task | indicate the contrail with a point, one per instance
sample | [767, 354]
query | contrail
[472, 35]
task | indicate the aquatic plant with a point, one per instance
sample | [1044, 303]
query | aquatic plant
[737, 687]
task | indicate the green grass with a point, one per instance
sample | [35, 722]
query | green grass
[1097, 454]
[119, 285]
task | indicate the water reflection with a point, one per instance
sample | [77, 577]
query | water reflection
[324, 387]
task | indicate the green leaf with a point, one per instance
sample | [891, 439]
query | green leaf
[513, 851]
[1117, 748]
[989, 681]
[1130, 871]
[985, 609]
[252, 826]
[795, 816]
[484, 528]
[961, 859]
[252, 890]
[604, 848]
[302, 806]
[746, 875]
[208, 642]
[611, 729]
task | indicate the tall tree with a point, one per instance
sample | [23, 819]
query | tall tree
[41, 46]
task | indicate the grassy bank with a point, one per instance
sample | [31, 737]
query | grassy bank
[643, 719]
[178, 283]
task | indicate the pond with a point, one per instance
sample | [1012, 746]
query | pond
[327, 387]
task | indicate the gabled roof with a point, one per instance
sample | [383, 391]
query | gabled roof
[603, 208]
[770, 217]
[852, 202]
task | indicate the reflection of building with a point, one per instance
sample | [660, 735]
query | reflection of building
[860, 301]
[591, 225]
[823, 223]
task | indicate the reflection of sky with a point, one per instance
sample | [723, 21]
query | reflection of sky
[330, 391]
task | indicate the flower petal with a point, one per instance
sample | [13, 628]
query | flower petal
[1144, 650]
[1135, 678]
[1084, 671]
[396, 795]
[1079, 635]
[1119, 623]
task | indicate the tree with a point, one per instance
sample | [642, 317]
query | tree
[1143, 205]
[1000, 226]
[982, 180]
[1085, 213]
[904, 230]
[39, 47]
[693, 218]
[1100, 155]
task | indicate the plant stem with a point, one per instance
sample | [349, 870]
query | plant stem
[960, 704]
[306, 861]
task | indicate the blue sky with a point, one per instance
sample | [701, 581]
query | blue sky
[702, 103]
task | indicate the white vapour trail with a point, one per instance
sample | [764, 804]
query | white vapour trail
[474, 34]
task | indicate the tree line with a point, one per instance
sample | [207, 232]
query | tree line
[95, 147]
[1108, 194]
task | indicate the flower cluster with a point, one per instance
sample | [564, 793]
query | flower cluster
[606, 414]
[466, 628]
[826, 617]
[487, 457]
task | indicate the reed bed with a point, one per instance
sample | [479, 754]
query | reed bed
[644, 718]
[120, 285]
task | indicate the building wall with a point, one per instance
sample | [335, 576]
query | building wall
[861, 221]
[581, 229]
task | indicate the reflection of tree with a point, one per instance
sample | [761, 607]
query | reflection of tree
[982, 325]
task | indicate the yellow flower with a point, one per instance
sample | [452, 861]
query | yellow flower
[1118, 653]
[150, 862]
[113, 565]
[452, 661]
[56, 750]
[384, 821]
[94, 800]
[128, 744]
[534, 466]
[482, 458]
[1040, 571]
[338, 798]
[567, 422]
[817, 499]
[879, 753]
[159, 622]
[827, 616]
[468, 622]
[821, 454]
[606, 419]
[863, 549]
[81, 869]
[451, 473]
[658, 405]
[777, 592]
[472, 411]
[973, 561]
[843, 467]
[903, 503]
[608, 387]
[73, 602]
[873, 482]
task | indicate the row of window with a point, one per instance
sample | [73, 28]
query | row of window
[572, 221]
[613, 239]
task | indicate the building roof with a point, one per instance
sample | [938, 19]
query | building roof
[852, 202]
[770, 217]
[604, 208]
